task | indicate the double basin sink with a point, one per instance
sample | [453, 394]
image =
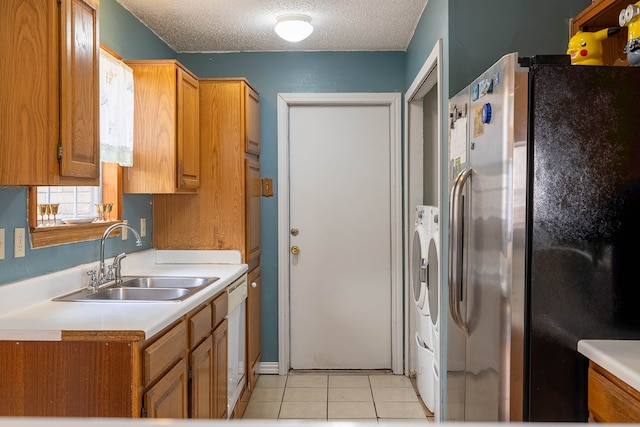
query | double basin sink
[143, 289]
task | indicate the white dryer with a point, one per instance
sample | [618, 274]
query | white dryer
[425, 272]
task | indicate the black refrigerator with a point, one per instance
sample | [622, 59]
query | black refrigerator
[544, 172]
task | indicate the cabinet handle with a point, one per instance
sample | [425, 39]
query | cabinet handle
[254, 284]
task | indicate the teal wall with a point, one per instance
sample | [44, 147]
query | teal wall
[481, 32]
[474, 35]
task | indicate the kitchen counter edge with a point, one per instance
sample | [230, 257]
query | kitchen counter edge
[620, 357]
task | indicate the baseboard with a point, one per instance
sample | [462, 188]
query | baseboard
[269, 368]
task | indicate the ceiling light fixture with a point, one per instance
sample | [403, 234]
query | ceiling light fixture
[294, 28]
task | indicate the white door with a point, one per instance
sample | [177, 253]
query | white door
[340, 204]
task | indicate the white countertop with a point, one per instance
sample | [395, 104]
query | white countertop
[27, 312]
[620, 357]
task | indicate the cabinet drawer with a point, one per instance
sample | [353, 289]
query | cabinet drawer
[220, 308]
[163, 353]
[611, 400]
[200, 325]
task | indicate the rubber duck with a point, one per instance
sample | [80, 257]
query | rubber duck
[585, 47]
[629, 17]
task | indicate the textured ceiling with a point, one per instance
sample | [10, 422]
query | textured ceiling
[247, 25]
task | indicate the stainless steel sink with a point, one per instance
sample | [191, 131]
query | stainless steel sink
[165, 282]
[143, 289]
[139, 294]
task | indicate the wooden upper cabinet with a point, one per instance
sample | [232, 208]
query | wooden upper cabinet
[226, 212]
[188, 131]
[604, 14]
[50, 92]
[80, 90]
[253, 193]
[166, 156]
[252, 120]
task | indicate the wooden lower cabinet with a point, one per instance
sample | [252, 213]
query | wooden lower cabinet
[168, 398]
[209, 375]
[611, 400]
[220, 345]
[70, 378]
[254, 326]
[202, 380]
[120, 374]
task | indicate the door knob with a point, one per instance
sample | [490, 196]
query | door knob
[294, 231]
[295, 250]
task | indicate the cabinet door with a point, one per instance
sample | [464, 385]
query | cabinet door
[254, 325]
[220, 335]
[168, 398]
[39, 77]
[79, 152]
[252, 194]
[202, 375]
[188, 149]
[166, 156]
[252, 121]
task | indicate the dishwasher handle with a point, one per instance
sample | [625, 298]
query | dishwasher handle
[237, 293]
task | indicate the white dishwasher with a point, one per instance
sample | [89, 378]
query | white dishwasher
[236, 317]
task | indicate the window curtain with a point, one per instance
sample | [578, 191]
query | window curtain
[116, 110]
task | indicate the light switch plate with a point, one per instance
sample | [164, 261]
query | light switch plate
[267, 187]
[18, 243]
[124, 231]
[143, 227]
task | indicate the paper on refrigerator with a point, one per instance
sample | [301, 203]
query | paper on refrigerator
[458, 145]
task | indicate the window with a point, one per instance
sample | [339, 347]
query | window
[72, 204]
[111, 189]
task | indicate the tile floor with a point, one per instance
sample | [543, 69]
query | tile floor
[336, 396]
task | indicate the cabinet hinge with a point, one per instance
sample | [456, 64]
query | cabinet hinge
[143, 412]
[59, 150]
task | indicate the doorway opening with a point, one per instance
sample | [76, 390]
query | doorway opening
[424, 124]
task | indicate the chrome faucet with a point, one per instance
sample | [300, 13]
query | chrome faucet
[103, 276]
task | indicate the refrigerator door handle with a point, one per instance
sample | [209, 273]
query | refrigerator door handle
[455, 249]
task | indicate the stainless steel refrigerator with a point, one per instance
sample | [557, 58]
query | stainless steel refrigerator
[544, 228]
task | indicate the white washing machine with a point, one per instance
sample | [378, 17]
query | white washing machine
[425, 278]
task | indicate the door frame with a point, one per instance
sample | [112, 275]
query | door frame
[430, 77]
[393, 101]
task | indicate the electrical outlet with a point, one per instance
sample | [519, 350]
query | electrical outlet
[124, 231]
[1, 243]
[143, 227]
[18, 243]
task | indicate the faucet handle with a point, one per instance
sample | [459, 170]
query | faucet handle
[110, 275]
[117, 266]
[93, 280]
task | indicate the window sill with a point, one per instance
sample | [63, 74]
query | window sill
[60, 234]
